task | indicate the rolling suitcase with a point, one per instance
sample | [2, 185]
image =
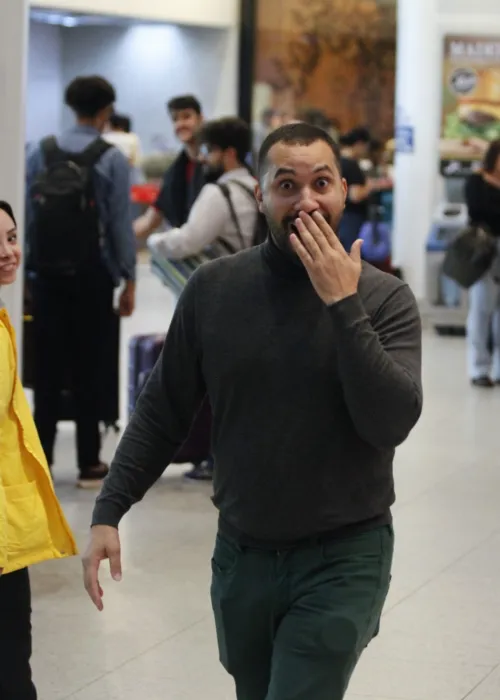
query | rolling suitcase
[144, 351]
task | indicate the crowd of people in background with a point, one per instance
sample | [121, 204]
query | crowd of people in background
[206, 195]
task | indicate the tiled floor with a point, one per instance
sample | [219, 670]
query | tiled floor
[440, 636]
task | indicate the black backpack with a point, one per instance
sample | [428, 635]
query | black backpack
[260, 231]
[66, 233]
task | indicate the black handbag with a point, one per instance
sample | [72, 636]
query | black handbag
[470, 256]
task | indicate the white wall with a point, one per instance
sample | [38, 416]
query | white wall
[45, 81]
[207, 13]
[147, 64]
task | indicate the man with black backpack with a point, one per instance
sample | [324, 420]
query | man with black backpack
[81, 246]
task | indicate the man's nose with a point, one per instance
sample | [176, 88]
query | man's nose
[308, 201]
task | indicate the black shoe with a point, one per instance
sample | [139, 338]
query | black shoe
[483, 382]
[201, 472]
[93, 477]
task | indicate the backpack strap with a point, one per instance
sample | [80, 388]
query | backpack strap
[224, 188]
[51, 152]
[93, 153]
[246, 189]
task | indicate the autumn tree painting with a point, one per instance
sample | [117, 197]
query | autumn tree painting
[336, 55]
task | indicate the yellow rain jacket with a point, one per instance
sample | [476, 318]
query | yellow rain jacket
[32, 525]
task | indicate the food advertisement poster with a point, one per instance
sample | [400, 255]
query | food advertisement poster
[471, 96]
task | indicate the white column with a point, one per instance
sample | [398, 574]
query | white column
[13, 62]
[418, 103]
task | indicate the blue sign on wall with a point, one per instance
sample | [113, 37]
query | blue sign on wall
[405, 139]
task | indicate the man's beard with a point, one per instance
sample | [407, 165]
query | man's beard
[212, 173]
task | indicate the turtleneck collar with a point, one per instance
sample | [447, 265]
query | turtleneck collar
[280, 263]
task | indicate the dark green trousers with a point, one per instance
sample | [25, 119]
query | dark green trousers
[292, 624]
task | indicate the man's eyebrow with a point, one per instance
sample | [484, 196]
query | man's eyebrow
[325, 166]
[284, 171]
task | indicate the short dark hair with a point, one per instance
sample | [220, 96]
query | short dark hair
[89, 95]
[228, 132]
[184, 102]
[5, 206]
[358, 135]
[491, 157]
[120, 121]
[296, 134]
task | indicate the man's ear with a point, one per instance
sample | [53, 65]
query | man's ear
[345, 188]
[259, 197]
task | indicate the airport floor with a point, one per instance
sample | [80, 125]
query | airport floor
[440, 636]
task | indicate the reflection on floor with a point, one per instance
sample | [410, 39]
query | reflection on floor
[155, 639]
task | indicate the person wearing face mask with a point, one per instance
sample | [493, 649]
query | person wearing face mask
[312, 362]
[32, 525]
[184, 178]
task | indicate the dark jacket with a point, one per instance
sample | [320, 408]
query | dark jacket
[177, 196]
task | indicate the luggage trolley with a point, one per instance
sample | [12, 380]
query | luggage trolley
[447, 301]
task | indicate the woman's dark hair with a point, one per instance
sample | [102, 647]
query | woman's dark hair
[296, 134]
[176, 104]
[229, 132]
[491, 157]
[89, 95]
[4, 206]
[120, 121]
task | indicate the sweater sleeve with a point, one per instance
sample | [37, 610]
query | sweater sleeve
[380, 366]
[162, 419]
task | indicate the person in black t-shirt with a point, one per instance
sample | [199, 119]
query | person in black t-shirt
[184, 179]
[482, 194]
[355, 146]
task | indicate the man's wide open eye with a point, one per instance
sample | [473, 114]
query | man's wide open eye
[322, 183]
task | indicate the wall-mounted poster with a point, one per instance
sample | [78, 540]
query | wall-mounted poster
[471, 95]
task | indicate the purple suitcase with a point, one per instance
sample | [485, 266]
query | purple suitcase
[144, 351]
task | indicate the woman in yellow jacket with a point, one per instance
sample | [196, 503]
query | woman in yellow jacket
[32, 524]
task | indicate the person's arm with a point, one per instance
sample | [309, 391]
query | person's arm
[120, 219]
[380, 366]
[34, 164]
[7, 378]
[205, 224]
[147, 223]
[379, 358]
[162, 419]
[7, 373]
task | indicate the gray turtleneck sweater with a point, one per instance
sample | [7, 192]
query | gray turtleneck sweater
[309, 401]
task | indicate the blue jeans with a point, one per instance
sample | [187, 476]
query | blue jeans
[483, 323]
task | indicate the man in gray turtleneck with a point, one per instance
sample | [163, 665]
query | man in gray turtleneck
[311, 360]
